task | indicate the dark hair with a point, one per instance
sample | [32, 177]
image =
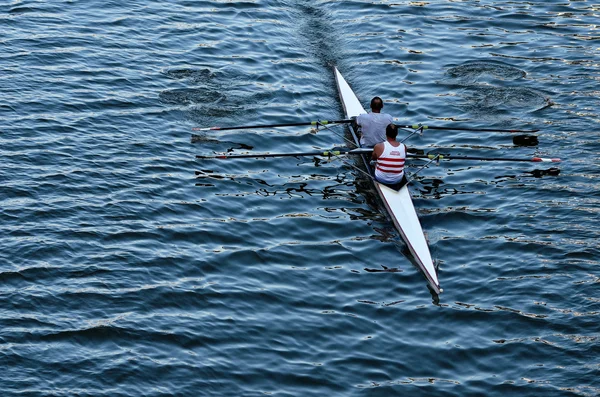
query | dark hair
[391, 131]
[376, 103]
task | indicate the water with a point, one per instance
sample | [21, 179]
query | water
[130, 268]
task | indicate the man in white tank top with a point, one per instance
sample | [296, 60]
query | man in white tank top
[373, 124]
[390, 155]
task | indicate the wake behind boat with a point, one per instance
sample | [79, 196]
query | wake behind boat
[399, 203]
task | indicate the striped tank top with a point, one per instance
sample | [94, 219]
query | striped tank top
[390, 165]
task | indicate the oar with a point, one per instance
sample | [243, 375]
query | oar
[341, 151]
[325, 153]
[241, 127]
[430, 127]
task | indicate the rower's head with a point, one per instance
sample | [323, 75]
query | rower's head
[391, 131]
[376, 104]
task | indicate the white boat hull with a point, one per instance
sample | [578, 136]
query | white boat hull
[398, 204]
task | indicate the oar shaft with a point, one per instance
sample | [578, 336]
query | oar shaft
[450, 157]
[430, 127]
[242, 127]
[325, 153]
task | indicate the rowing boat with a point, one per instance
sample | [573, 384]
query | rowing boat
[399, 203]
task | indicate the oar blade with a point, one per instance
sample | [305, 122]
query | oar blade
[205, 128]
[525, 140]
[545, 160]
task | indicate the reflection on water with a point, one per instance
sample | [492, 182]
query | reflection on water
[477, 71]
[483, 92]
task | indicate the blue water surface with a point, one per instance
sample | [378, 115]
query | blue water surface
[128, 267]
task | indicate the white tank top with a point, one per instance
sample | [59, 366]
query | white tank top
[373, 127]
[390, 165]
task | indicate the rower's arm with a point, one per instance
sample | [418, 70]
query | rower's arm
[377, 151]
[355, 124]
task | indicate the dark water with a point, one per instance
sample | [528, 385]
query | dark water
[129, 268]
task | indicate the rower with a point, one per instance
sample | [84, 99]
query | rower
[390, 156]
[373, 124]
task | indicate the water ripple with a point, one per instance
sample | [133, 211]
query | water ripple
[130, 268]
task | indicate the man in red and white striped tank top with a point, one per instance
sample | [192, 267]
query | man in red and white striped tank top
[390, 155]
